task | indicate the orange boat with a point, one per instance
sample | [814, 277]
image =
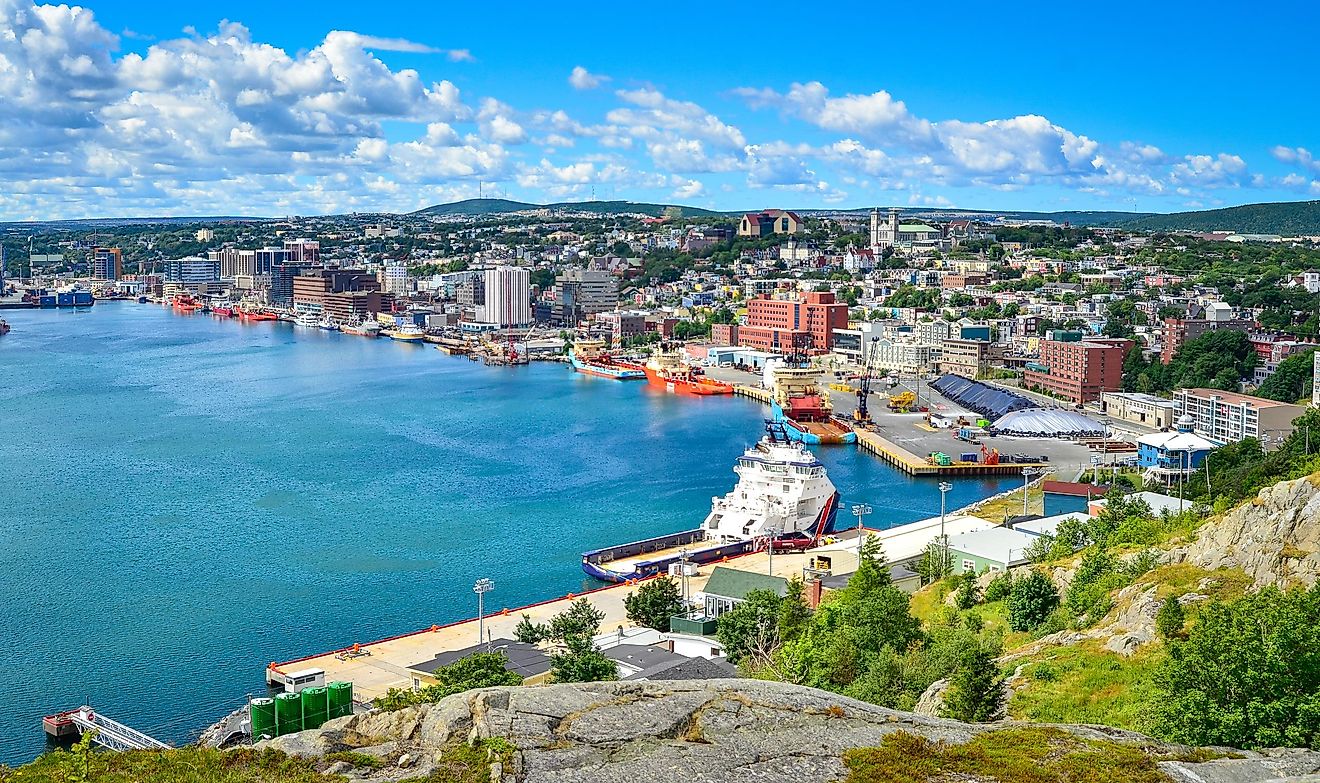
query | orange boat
[668, 371]
[184, 303]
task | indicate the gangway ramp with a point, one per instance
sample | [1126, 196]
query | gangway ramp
[109, 733]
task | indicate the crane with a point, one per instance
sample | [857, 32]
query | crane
[861, 415]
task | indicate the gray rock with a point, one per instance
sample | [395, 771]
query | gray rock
[305, 744]
[1275, 537]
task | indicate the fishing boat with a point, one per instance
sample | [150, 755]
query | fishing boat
[783, 492]
[805, 410]
[590, 357]
[667, 370]
[327, 325]
[408, 333]
[362, 329]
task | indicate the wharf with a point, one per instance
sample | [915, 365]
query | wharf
[914, 465]
[753, 392]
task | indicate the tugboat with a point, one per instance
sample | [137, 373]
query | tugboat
[782, 491]
[590, 357]
[667, 371]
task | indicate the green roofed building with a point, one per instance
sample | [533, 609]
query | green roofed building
[728, 587]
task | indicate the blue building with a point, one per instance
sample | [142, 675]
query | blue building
[1173, 451]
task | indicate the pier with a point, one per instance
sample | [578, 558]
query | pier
[109, 734]
[753, 392]
[913, 465]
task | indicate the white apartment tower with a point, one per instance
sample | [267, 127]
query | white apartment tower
[508, 296]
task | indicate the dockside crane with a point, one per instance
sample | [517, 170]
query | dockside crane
[861, 415]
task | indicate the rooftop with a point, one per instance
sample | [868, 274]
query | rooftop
[732, 583]
[1235, 398]
[524, 659]
[997, 543]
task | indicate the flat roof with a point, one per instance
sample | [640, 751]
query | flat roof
[642, 656]
[1234, 397]
[997, 543]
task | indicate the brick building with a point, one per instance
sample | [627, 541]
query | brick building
[772, 324]
[1178, 331]
[343, 295]
[1077, 369]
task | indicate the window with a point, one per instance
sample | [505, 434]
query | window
[969, 567]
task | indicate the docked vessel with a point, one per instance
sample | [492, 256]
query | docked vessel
[255, 315]
[409, 333]
[327, 325]
[362, 329]
[804, 408]
[782, 491]
[222, 309]
[184, 303]
[307, 320]
[667, 371]
[590, 357]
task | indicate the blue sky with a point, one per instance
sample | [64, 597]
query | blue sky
[146, 108]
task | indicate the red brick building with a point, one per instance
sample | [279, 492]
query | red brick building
[1077, 369]
[724, 334]
[772, 324]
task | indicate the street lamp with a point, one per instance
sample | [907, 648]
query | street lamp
[773, 532]
[1104, 446]
[861, 510]
[944, 539]
[482, 587]
[1027, 475]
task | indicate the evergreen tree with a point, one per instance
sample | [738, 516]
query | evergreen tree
[976, 689]
[1031, 601]
[1169, 619]
[654, 603]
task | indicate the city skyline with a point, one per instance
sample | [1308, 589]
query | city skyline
[146, 109]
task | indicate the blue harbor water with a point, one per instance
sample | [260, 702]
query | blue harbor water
[185, 498]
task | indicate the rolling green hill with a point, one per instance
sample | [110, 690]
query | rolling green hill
[499, 206]
[1287, 219]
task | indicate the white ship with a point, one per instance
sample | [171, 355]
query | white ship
[782, 489]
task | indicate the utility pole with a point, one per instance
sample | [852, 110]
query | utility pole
[482, 587]
[861, 510]
[944, 539]
[772, 532]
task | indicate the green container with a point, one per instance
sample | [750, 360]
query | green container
[315, 707]
[341, 699]
[288, 713]
[262, 713]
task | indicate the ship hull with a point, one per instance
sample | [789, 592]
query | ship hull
[681, 386]
[614, 372]
[824, 432]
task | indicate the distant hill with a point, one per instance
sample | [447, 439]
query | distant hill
[1287, 219]
[499, 206]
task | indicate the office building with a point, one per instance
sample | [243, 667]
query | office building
[1179, 331]
[1144, 409]
[343, 295]
[1076, 369]
[508, 296]
[107, 263]
[302, 251]
[394, 281]
[623, 325]
[581, 293]
[777, 325]
[1226, 417]
[281, 282]
[968, 358]
[192, 271]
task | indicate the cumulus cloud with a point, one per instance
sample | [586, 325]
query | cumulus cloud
[582, 79]
[1299, 156]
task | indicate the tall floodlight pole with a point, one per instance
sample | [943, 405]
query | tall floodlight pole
[861, 510]
[482, 587]
[773, 533]
[1104, 445]
[944, 539]
[1027, 474]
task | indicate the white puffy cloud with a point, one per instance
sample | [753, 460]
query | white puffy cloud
[1299, 156]
[582, 79]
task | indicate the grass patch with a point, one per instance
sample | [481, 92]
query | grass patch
[1086, 684]
[1030, 755]
[467, 764]
[1000, 509]
[361, 760]
[183, 765]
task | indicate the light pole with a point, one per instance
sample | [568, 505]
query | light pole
[1104, 445]
[1027, 474]
[861, 510]
[482, 587]
[772, 532]
[944, 539]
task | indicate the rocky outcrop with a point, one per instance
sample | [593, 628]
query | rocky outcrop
[1275, 538]
[689, 731]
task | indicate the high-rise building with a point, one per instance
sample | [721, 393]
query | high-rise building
[302, 251]
[579, 293]
[394, 280]
[281, 282]
[192, 271]
[265, 259]
[344, 295]
[107, 263]
[774, 324]
[1077, 369]
[508, 296]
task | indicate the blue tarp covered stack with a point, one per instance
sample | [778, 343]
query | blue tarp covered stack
[984, 399]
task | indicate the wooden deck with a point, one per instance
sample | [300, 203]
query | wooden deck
[915, 465]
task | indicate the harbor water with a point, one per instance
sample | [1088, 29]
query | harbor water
[184, 498]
